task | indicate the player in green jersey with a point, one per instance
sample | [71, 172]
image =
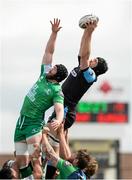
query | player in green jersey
[45, 93]
[78, 165]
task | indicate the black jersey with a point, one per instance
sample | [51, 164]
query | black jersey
[75, 86]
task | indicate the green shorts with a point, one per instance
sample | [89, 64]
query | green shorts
[27, 127]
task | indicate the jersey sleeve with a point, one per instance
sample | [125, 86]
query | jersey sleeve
[79, 59]
[58, 97]
[60, 163]
[89, 75]
[65, 167]
[45, 68]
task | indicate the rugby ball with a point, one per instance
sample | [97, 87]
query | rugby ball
[87, 18]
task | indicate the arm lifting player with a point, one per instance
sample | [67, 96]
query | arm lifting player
[82, 164]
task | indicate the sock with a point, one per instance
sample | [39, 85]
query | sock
[50, 172]
[26, 171]
[29, 178]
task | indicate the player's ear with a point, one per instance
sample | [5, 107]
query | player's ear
[76, 161]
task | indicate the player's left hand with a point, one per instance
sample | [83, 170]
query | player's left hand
[55, 25]
[55, 124]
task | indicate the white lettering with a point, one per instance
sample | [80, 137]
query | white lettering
[31, 94]
[74, 73]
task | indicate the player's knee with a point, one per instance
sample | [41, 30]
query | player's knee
[34, 150]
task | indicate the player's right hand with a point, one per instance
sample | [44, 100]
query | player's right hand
[90, 26]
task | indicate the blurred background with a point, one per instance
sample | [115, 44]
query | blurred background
[104, 114]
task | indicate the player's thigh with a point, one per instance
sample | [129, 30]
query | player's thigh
[36, 138]
[33, 137]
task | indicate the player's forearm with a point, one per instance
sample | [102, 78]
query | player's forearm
[50, 47]
[49, 50]
[60, 115]
[65, 152]
[85, 48]
[59, 110]
[47, 58]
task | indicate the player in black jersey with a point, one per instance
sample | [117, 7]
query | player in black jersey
[82, 77]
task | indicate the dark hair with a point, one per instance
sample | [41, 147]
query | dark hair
[8, 163]
[91, 168]
[83, 158]
[62, 73]
[87, 163]
[6, 173]
[101, 67]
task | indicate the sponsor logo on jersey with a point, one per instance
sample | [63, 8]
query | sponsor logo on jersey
[34, 130]
[91, 73]
[73, 72]
[66, 163]
[48, 91]
[31, 94]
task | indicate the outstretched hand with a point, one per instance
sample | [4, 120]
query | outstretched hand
[55, 25]
[90, 26]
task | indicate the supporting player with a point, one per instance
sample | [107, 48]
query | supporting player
[81, 165]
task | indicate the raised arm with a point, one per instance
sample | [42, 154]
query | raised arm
[85, 46]
[65, 151]
[47, 58]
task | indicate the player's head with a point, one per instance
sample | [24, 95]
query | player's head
[8, 163]
[58, 72]
[84, 161]
[81, 158]
[101, 66]
[92, 167]
[9, 170]
[6, 173]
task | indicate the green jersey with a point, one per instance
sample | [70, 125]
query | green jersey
[41, 96]
[65, 168]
